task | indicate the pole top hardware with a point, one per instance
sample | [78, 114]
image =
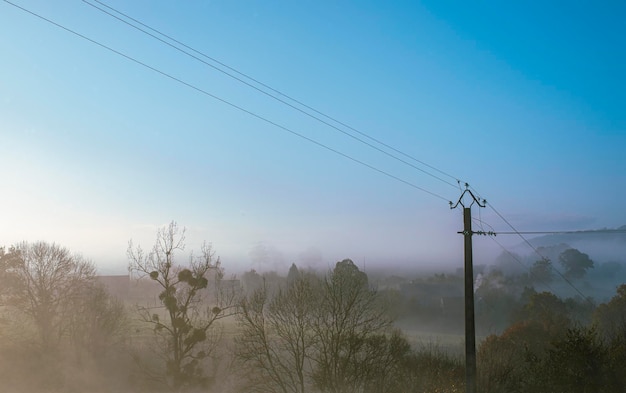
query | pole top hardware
[478, 201]
[484, 233]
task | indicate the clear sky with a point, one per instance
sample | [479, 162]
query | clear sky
[524, 100]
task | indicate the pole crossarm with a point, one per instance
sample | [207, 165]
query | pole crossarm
[478, 201]
[484, 233]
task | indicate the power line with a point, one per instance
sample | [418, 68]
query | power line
[253, 114]
[493, 232]
[530, 271]
[521, 235]
[313, 116]
[591, 232]
[516, 259]
[537, 252]
[202, 91]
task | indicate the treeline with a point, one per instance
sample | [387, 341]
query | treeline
[546, 350]
[333, 334]
[58, 325]
[436, 303]
[61, 331]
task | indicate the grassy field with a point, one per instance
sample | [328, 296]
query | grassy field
[451, 343]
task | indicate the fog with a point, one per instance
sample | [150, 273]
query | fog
[112, 332]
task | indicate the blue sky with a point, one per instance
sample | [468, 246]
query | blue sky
[524, 101]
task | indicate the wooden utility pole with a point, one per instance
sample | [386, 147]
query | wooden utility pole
[470, 330]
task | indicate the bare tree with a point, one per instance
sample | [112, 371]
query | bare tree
[184, 326]
[349, 313]
[328, 334]
[43, 280]
[277, 336]
[98, 322]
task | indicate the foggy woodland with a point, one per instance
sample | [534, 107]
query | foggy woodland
[179, 323]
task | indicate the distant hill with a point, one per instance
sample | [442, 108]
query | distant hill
[606, 247]
[593, 235]
[602, 245]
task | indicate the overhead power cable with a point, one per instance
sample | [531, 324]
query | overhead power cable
[480, 222]
[512, 255]
[202, 91]
[516, 259]
[521, 235]
[537, 252]
[590, 232]
[253, 114]
[313, 115]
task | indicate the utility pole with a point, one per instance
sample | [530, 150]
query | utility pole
[470, 330]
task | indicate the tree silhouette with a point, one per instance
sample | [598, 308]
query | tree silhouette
[503, 360]
[611, 317]
[576, 362]
[274, 347]
[43, 280]
[98, 321]
[324, 333]
[183, 327]
[348, 313]
[293, 275]
[541, 271]
[575, 263]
